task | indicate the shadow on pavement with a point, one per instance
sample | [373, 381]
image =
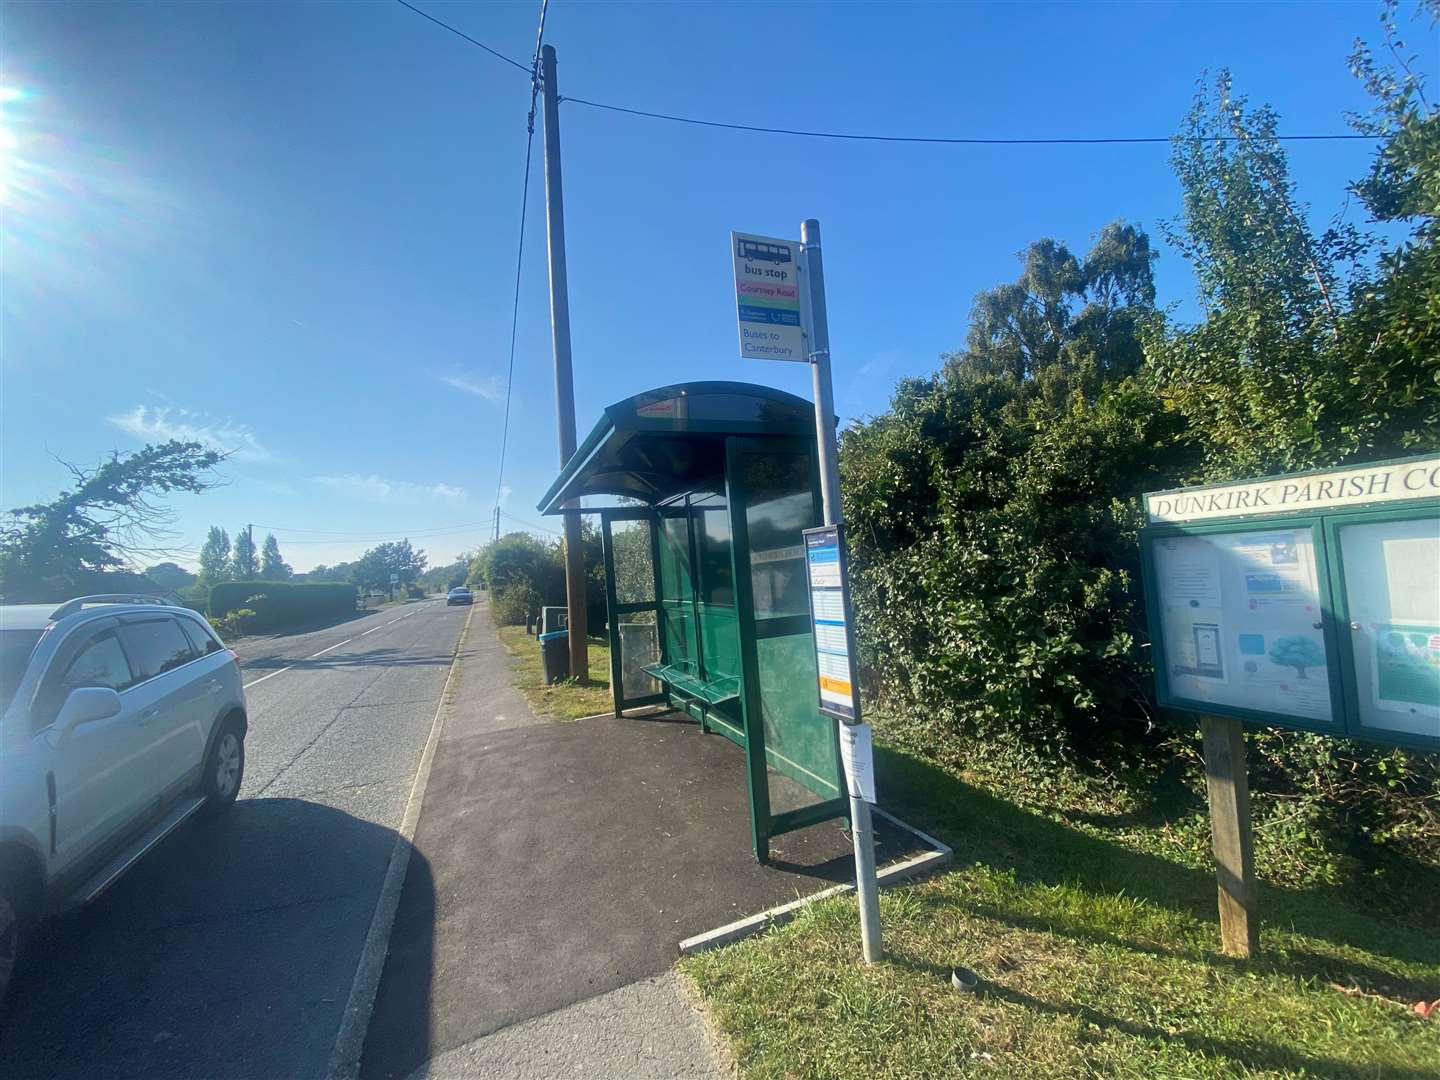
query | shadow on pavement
[229, 951]
[569, 860]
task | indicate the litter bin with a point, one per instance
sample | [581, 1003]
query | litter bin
[554, 617]
[555, 655]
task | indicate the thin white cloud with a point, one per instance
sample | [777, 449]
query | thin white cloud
[488, 387]
[149, 423]
[379, 489]
[505, 492]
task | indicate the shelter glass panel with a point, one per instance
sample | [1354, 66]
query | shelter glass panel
[639, 635]
[677, 611]
[634, 562]
[801, 757]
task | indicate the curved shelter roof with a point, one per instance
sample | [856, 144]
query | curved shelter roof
[671, 440]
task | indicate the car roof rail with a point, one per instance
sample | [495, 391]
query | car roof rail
[70, 607]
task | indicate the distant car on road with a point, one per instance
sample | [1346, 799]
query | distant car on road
[460, 595]
[120, 717]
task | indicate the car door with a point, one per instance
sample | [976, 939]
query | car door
[171, 700]
[95, 768]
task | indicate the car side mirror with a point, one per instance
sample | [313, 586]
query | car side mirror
[84, 706]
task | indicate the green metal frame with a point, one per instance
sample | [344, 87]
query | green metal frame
[1324, 525]
[679, 461]
[765, 824]
[615, 609]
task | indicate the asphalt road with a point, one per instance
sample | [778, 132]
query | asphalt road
[230, 950]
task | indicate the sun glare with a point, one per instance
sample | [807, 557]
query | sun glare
[9, 141]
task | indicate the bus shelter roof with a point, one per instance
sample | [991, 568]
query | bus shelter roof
[670, 440]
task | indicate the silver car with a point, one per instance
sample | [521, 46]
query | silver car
[120, 718]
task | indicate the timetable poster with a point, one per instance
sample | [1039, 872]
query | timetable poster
[830, 612]
[1241, 621]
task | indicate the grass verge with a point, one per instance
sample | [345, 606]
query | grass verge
[562, 701]
[1097, 956]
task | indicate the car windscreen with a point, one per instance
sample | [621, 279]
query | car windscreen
[15, 649]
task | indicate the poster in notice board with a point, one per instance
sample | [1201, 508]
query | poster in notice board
[1392, 588]
[1242, 623]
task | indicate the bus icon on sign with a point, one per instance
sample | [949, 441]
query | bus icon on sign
[760, 251]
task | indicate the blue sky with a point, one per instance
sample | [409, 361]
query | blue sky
[289, 229]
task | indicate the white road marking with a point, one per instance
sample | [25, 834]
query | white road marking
[350, 1040]
[322, 652]
[262, 678]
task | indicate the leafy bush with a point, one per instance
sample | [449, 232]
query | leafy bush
[235, 624]
[278, 604]
[993, 509]
[523, 573]
[512, 604]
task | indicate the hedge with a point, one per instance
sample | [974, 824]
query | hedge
[282, 603]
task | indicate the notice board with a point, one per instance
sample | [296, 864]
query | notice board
[1326, 620]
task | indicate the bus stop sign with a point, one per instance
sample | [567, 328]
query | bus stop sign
[767, 297]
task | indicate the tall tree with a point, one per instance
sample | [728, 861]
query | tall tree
[215, 557]
[1311, 352]
[244, 566]
[109, 519]
[373, 569]
[1395, 366]
[171, 576]
[272, 566]
[1066, 315]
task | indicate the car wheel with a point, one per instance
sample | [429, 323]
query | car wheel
[224, 769]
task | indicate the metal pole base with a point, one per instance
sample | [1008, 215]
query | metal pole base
[866, 888]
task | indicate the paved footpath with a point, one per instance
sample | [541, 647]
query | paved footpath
[467, 990]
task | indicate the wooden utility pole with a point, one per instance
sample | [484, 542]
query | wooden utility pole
[564, 380]
[1228, 787]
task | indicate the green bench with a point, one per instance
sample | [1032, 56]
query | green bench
[689, 684]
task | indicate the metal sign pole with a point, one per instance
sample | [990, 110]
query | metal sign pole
[866, 886]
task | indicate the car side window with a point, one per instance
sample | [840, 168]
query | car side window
[201, 639]
[157, 646]
[100, 663]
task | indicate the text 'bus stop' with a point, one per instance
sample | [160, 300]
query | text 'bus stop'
[705, 488]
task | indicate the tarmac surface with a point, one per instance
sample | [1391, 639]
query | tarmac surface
[564, 861]
[229, 951]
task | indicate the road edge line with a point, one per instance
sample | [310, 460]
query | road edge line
[360, 1005]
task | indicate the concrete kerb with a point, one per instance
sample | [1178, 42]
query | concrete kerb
[350, 1039]
[938, 855]
[629, 714]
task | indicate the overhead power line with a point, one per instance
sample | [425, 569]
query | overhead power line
[851, 136]
[934, 139]
[530, 524]
[519, 259]
[478, 44]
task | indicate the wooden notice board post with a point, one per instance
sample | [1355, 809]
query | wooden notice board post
[1228, 787]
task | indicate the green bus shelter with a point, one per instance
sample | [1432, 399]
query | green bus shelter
[702, 490]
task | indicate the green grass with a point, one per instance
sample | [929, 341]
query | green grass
[563, 701]
[1096, 945]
